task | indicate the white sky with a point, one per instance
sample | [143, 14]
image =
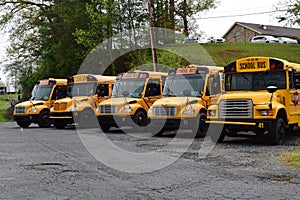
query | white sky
[217, 27]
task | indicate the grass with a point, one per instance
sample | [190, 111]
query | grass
[221, 54]
[292, 158]
[3, 102]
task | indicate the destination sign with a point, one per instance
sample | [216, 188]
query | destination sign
[186, 70]
[252, 65]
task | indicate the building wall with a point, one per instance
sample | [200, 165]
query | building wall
[239, 34]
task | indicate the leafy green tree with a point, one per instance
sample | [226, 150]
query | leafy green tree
[292, 15]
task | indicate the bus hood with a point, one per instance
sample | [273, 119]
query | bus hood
[176, 101]
[258, 97]
[119, 101]
[31, 103]
[77, 99]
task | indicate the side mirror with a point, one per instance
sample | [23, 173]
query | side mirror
[271, 89]
[187, 93]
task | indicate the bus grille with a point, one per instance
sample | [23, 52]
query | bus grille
[20, 109]
[164, 110]
[237, 108]
[60, 106]
[107, 109]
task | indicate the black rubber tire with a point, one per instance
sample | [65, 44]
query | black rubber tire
[23, 124]
[277, 133]
[140, 118]
[157, 133]
[87, 119]
[60, 125]
[216, 133]
[44, 119]
[105, 128]
[200, 129]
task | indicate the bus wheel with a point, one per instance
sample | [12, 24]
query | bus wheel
[140, 118]
[105, 128]
[199, 129]
[43, 119]
[276, 135]
[157, 133]
[87, 119]
[59, 125]
[23, 124]
[217, 133]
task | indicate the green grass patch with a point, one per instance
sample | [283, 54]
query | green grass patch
[5, 99]
[223, 53]
[292, 158]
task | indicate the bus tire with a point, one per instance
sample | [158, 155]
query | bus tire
[105, 128]
[199, 129]
[157, 133]
[277, 133]
[60, 125]
[44, 119]
[140, 118]
[23, 124]
[217, 133]
[87, 119]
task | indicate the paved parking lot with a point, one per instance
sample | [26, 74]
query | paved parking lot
[55, 164]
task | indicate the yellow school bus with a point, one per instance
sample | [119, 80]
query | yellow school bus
[261, 96]
[84, 93]
[37, 109]
[187, 94]
[133, 94]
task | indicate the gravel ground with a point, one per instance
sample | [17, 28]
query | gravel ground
[53, 164]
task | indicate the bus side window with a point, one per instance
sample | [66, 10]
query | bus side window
[153, 88]
[297, 80]
[103, 90]
[214, 86]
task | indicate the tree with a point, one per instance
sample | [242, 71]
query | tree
[292, 15]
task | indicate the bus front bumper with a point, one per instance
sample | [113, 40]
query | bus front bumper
[26, 118]
[243, 125]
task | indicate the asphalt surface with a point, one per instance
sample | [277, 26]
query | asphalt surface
[53, 164]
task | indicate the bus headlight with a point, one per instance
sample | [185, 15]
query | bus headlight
[267, 113]
[212, 113]
[126, 110]
[73, 109]
[33, 110]
[188, 112]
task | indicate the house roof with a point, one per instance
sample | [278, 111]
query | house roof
[269, 30]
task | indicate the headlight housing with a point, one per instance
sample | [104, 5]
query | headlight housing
[188, 112]
[32, 110]
[267, 112]
[73, 109]
[127, 110]
[212, 113]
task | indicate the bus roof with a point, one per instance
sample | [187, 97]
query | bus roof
[91, 78]
[196, 69]
[253, 64]
[141, 74]
[52, 81]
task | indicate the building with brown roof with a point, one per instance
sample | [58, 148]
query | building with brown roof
[244, 32]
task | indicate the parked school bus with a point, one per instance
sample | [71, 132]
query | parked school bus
[84, 93]
[37, 108]
[261, 96]
[132, 96]
[187, 94]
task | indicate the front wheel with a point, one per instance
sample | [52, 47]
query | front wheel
[105, 128]
[277, 133]
[23, 124]
[199, 129]
[59, 125]
[87, 119]
[44, 119]
[140, 120]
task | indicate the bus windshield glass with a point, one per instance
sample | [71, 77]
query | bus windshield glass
[81, 89]
[255, 81]
[176, 84]
[41, 92]
[134, 87]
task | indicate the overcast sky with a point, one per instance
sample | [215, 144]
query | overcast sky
[217, 21]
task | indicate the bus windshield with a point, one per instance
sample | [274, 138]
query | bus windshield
[81, 89]
[176, 84]
[134, 86]
[255, 81]
[41, 92]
